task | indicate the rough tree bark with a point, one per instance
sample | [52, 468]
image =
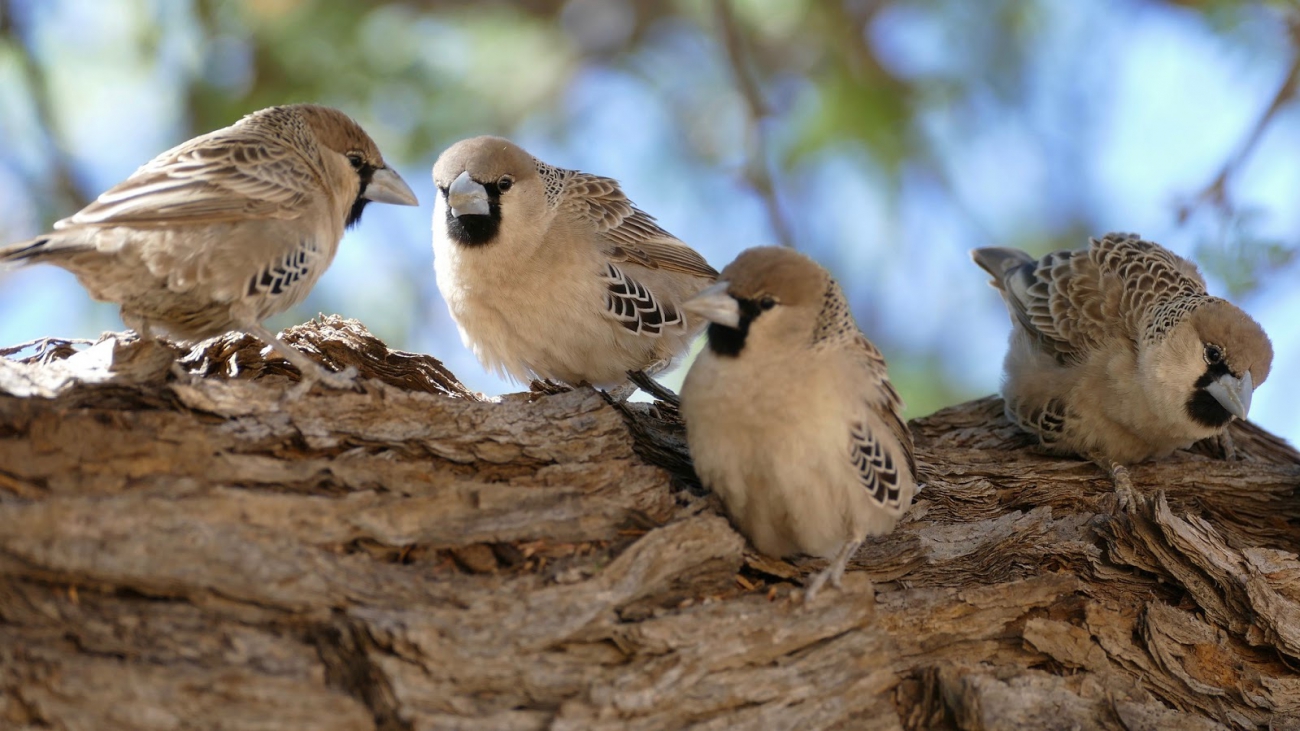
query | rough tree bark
[204, 555]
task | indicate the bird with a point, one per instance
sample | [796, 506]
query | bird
[1118, 354]
[554, 274]
[227, 229]
[790, 416]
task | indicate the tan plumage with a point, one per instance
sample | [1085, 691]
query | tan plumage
[553, 273]
[790, 415]
[1118, 354]
[227, 229]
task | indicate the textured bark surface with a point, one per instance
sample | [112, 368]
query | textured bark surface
[200, 554]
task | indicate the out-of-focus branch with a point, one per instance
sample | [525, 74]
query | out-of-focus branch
[758, 171]
[1216, 192]
[60, 163]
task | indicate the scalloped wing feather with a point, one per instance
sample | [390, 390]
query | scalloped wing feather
[878, 469]
[1072, 302]
[635, 307]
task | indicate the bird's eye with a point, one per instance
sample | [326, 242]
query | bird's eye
[505, 183]
[356, 160]
[767, 302]
[1213, 354]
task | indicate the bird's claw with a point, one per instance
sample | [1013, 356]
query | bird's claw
[1228, 446]
[1125, 497]
[817, 583]
[342, 380]
[834, 572]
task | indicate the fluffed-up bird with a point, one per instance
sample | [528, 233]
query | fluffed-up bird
[225, 230]
[1119, 355]
[554, 274]
[790, 416]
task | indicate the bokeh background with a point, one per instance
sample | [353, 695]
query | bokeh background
[886, 139]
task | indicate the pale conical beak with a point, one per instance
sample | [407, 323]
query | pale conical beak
[1233, 393]
[386, 186]
[466, 197]
[715, 305]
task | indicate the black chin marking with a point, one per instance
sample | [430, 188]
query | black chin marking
[366, 172]
[1204, 408]
[354, 215]
[473, 229]
[729, 341]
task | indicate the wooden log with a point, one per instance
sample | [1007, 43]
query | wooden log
[199, 552]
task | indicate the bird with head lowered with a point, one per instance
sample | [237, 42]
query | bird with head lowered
[1118, 354]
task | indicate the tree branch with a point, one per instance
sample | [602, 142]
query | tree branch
[758, 170]
[409, 556]
[1216, 192]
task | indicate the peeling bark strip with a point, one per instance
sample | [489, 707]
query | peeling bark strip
[205, 555]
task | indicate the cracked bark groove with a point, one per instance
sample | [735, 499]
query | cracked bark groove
[203, 555]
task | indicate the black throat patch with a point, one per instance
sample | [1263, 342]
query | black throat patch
[476, 230]
[729, 341]
[367, 172]
[1204, 408]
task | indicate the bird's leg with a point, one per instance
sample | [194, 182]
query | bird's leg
[833, 571]
[149, 337]
[1228, 445]
[643, 381]
[622, 393]
[1124, 495]
[312, 371]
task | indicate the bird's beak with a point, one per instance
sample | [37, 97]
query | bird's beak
[386, 186]
[715, 305]
[466, 197]
[1233, 393]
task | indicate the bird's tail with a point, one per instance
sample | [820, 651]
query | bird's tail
[41, 248]
[999, 262]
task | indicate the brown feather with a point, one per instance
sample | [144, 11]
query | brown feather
[632, 234]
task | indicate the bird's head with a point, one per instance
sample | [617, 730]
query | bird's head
[339, 133]
[485, 184]
[767, 296]
[1215, 359]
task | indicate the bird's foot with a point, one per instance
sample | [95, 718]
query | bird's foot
[341, 380]
[182, 375]
[312, 372]
[817, 583]
[1228, 446]
[344, 380]
[643, 381]
[834, 572]
[1125, 496]
[622, 393]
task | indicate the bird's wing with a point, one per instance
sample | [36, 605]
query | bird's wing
[635, 306]
[1146, 275]
[222, 176]
[1073, 302]
[630, 234]
[877, 465]
[1059, 299]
